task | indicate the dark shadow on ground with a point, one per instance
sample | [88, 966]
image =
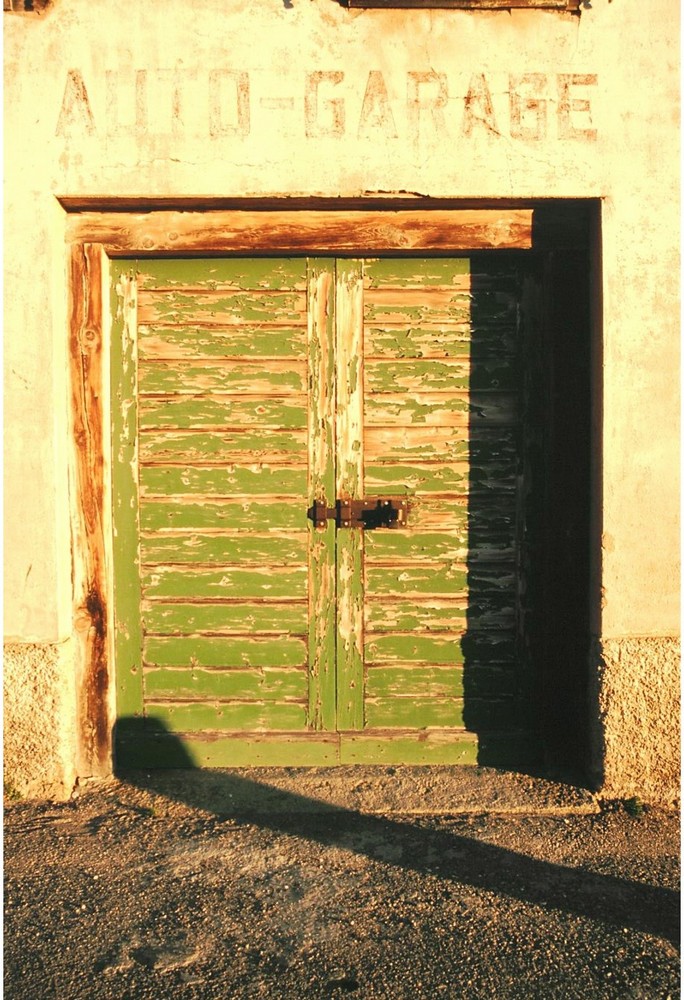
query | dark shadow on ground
[419, 846]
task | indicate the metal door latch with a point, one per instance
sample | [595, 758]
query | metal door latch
[376, 512]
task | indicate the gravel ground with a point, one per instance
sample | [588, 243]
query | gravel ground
[137, 890]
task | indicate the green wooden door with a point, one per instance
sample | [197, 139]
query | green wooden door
[243, 391]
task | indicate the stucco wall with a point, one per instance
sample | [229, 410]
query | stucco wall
[221, 100]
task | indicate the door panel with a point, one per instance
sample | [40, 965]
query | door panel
[243, 392]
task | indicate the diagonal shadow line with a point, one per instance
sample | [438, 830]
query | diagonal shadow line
[443, 854]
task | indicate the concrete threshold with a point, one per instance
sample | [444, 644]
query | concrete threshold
[369, 790]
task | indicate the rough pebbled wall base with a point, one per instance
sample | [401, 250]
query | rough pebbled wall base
[635, 715]
[39, 739]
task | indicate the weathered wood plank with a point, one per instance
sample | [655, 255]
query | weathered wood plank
[350, 485]
[412, 273]
[495, 339]
[411, 375]
[561, 5]
[439, 746]
[454, 648]
[229, 582]
[221, 273]
[308, 232]
[224, 619]
[245, 716]
[221, 749]
[321, 486]
[223, 412]
[450, 444]
[267, 684]
[383, 615]
[457, 477]
[229, 480]
[89, 506]
[413, 546]
[190, 378]
[239, 549]
[482, 522]
[224, 447]
[442, 409]
[403, 681]
[222, 307]
[418, 713]
[213, 651]
[412, 681]
[244, 341]
[244, 514]
[442, 580]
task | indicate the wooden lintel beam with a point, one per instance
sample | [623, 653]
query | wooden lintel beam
[313, 232]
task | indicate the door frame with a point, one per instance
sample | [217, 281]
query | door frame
[95, 234]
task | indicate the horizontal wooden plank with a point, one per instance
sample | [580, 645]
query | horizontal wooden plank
[477, 337]
[414, 681]
[447, 579]
[484, 521]
[418, 713]
[436, 746]
[222, 307]
[191, 377]
[410, 545]
[244, 341]
[420, 375]
[269, 549]
[245, 716]
[224, 447]
[217, 749]
[559, 5]
[414, 647]
[217, 651]
[481, 647]
[452, 444]
[462, 302]
[224, 619]
[411, 273]
[245, 514]
[267, 684]
[457, 477]
[314, 232]
[441, 409]
[229, 582]
[384, 615]
[402, 681]
[222, 412]
[216, 273]
[229, 480]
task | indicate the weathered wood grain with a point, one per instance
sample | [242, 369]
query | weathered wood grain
[271, 549]
[267, 683]
[223, 412]
[429, 375]
[414, 712]
[254, 377]
[495, 340]
[221, 618]
[430, 615]
[213, 651]
[309, 232]
[440, 580]
[236, 342]
[264, 716]
[228, 582]
[448, 444]
[229, 480]
[87, 476]
[223, 307]
[321, 486]
[283, 513]
[350, 485]
[222, 447]
[216, 274]
[445, 409]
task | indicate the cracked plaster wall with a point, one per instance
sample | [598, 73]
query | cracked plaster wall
[137, 100]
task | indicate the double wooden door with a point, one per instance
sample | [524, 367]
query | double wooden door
[252, 399]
